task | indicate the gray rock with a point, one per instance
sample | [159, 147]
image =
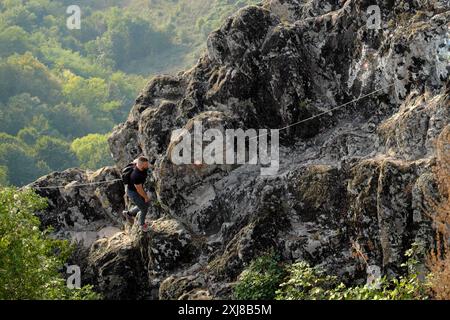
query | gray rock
[86, 213]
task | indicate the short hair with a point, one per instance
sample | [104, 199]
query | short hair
[142, 160]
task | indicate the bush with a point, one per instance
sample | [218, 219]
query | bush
[267, 279]
[305, 283]
[260, 280]
[311, 283]
[29, 259]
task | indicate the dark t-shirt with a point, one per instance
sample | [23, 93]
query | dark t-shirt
[137, 177]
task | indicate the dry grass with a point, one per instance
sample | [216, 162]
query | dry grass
[439, 258]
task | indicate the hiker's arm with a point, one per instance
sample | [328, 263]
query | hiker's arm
[141, 192]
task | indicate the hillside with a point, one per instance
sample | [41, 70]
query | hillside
[62, 91]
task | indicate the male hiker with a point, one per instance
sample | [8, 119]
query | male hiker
[134, 177]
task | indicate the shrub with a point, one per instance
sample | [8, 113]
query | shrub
[266, 278]
[405, 287]
[261, 279]
[30, 260]
[305, 283]
[312, 283]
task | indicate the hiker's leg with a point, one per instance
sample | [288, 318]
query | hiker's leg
[140, 203]
[143, 208]
[134, 197]
[134, 211]
[137, 200]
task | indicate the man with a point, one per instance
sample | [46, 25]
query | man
[136, 193]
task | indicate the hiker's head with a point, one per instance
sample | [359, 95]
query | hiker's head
[142, 163]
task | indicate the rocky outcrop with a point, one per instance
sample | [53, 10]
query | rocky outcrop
[82, 205]
[117, 269]
[131, 265]
[354, 182]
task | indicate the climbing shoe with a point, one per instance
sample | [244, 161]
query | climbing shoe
[145, 228]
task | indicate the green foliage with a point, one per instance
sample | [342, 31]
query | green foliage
[3, 176]
[92, 151]
[28, 135]
[308, 283]
[91, 93]
[265, 278]
[19, 111]
[405, 287]
[66, 84]
[305, 283]
[65, 59]
[260, 280]
[14, 40]
[75, 121]
[127, 37]
[25, 73]
[55, 153]
[22, 166]
[30, 260]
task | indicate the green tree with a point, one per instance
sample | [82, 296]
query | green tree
[19, 111]
[13, 40]
[3, 176]
[311, 283]
[92, 93]
[65, 59]
[25, 73]
[18, 15]
[92, 151]
[127, 37]
[7, 138]
[266, 279]
[28, 135]
[29, 259]
[55, 153]
[72, 121]
[23, 167]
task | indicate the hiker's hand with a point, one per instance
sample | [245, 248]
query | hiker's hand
[147, 200]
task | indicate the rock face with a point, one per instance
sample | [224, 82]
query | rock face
[352, 189]
[130, 264]
[82, 213]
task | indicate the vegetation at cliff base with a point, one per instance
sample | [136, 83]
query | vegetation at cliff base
[31, 263]
[261, 279]
[267, 279]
